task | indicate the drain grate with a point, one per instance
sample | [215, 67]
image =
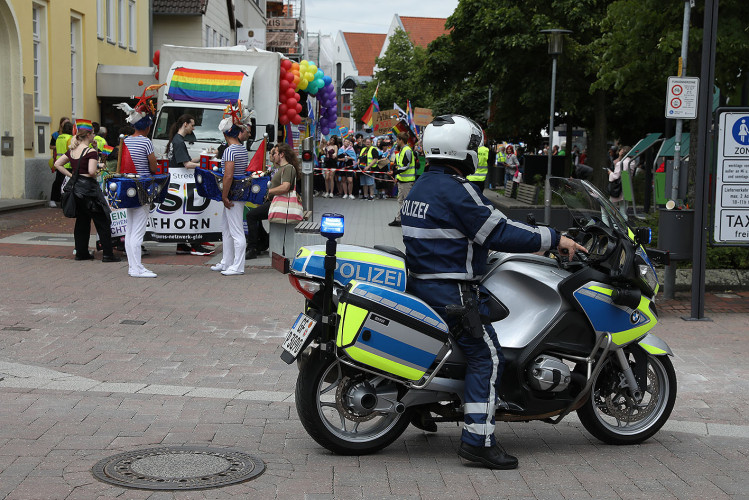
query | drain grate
[178, 468]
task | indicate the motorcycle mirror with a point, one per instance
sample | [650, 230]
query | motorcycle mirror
[643, 235]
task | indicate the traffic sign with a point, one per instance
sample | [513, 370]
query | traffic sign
[681, 99]
[731, 216]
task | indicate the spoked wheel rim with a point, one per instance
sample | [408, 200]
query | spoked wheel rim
[615, 409]
[337, 415]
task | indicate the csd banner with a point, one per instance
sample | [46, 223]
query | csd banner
[183, 216]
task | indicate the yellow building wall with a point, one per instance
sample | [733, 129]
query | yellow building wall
[95, 51]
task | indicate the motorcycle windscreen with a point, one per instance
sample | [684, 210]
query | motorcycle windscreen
[389, 330]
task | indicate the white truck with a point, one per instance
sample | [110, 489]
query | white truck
[200, 82]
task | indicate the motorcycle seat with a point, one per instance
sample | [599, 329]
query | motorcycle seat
[392, 251]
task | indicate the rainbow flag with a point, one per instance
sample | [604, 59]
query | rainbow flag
[106, 150]
[83, 124]
[374, 107]
[202, 85]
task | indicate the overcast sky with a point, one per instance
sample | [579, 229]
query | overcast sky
[369, 16]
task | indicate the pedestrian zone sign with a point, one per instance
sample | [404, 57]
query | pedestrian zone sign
[731, 217]
[681, 98]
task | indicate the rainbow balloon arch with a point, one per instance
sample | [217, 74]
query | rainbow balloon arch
[298, 82]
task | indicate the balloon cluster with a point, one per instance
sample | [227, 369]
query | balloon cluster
[310, 78]
[328, 106]
[289, 109]
[305, 78]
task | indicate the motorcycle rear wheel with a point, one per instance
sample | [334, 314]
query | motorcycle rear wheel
[321, 408]
[612, 416]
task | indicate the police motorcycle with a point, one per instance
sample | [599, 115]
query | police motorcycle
[575, 335]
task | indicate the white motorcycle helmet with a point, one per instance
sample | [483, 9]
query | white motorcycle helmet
[456, 139]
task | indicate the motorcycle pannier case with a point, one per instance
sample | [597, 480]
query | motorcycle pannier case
[353, 263]
[389, 330]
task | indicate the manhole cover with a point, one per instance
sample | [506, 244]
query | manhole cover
[178, 468]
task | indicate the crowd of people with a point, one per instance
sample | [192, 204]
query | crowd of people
[364, 168]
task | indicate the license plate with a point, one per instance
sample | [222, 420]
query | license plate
[298, 334]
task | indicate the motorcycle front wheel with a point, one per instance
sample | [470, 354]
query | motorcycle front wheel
[613, 416]
[324, 391]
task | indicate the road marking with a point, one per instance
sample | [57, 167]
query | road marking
[20, 376]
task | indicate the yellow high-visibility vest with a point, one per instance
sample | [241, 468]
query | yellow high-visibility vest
[61, 146]
[408, 175]
[482, 169]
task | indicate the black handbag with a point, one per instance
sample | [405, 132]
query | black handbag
[615, 188]
[68, 198]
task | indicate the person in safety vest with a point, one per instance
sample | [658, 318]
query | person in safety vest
[62, 144]
[99, 131]
[448, 229]
[479, 177]
[405, 173]
[368, 156]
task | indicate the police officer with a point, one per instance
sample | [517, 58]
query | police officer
[405, 170]
[448, 229]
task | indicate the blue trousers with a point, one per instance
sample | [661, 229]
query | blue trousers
[484, 358]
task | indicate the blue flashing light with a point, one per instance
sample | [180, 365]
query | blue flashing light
[331, 225]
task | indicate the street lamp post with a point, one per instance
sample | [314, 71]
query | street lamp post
[556, 40]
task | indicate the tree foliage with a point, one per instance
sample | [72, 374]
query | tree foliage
[611, 76]
[399, 78]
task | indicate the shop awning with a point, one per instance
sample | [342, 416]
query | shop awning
[667, 148]
[643, 145]
[122, 81]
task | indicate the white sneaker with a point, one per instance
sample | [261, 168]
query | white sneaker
[351, 197]
[143, 274]
[229, 272]
[52, 204]
[218, 267]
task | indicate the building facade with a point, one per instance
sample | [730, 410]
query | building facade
[55, 48]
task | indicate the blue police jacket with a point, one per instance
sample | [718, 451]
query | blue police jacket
[449, 228]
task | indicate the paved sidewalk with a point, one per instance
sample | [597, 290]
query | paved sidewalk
[78, 385]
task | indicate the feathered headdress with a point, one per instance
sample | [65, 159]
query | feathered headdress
[239, 116]
[144, 107]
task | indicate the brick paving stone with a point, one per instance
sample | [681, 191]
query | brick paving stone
[223, 341]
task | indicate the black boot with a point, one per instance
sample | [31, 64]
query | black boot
[493, 457]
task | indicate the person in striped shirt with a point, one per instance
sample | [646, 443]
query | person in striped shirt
[234, 162]
[144, 159]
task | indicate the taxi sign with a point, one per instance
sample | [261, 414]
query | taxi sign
[731, 217]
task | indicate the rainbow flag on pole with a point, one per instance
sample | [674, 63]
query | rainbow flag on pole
[106, 150]
[202, 85]
[374, 107]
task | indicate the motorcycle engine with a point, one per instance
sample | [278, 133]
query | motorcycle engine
[548, 373]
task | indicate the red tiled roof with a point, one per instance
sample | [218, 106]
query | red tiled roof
[184, 7]
[423, 30]
[364, 48]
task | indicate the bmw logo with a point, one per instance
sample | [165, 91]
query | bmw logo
[635, 317]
